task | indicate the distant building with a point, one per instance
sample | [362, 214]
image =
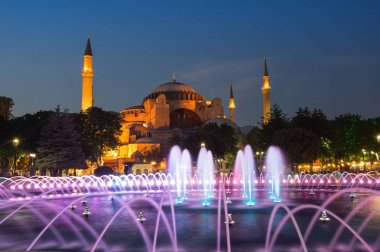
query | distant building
[172, 108]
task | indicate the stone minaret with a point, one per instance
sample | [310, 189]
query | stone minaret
[87, 75]
[266, 94]
[231, 107]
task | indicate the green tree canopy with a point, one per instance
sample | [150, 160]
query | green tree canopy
[6, 105]
[100, 131]
[300, 145]
[221, 140]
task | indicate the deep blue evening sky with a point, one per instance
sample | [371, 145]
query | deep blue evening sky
[320, 53]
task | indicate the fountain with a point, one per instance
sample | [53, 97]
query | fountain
[244, 171]
[275, 164]
[179, 165]
[205, 171]
[41, 209]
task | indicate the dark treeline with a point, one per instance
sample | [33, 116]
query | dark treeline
[309, 136]
[55, 140]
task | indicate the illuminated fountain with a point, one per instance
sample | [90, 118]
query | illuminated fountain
[180, 166]
[244, 171]
[47, 212]
[205, 174]
[274, 163]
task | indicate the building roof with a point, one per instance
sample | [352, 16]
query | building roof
[135, 107]
[172, 88]
[88, 50]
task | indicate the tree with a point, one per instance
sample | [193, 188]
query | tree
[6, 105]
[59, 145]
[103, 170]
[100, 131]
[150, 155]
[300, 145]
[28, 128]
[277, 121]
[221, 140]
[345, 141]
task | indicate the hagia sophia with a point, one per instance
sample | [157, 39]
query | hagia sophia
[172, 108]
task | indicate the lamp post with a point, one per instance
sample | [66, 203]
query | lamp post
[220, 162]
[203, 145]
[31, 170]
[259, 155]
[15, 143]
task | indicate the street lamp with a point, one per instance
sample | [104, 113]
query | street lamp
[378, 138]
[15, 143]
[32, 157]
[259, 155]
[203, 145]
[220, 161]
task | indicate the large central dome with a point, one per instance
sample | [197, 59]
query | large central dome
[175, 91]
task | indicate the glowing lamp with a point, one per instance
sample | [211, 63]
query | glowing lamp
[12, 187]
[19, 186]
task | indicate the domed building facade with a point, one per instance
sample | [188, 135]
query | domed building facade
[172, 108]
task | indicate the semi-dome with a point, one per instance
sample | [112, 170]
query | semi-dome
[175, 91]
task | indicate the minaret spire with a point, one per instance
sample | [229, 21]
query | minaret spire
[88, 50]
[265, 67]
[87, 76]
[266, 94]
[231, 106]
